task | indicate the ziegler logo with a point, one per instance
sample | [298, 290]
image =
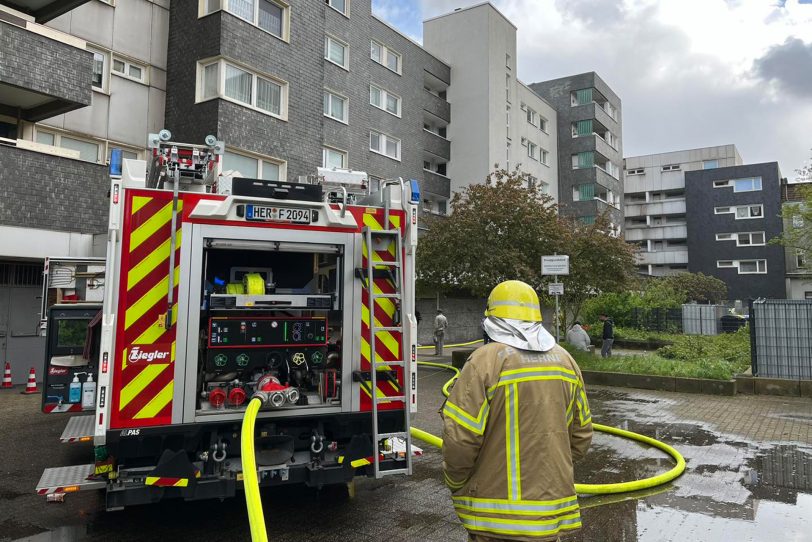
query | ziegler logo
[147, 353]
[57, 371]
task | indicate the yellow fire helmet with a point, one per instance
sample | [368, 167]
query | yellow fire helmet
[516, 300]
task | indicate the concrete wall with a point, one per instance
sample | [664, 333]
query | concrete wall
[557, 92]
[125, 111]
[703, 225]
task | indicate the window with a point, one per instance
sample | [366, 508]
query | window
[710, 164]
[722, 210]
[532, 117]
[583, 192]
[747, 267]
[671, 167]
[336, 52]
[88, 150]
[725, 263]
[545, 157]
[335, 106]
[724, 236]
[800, 259]
[639, 171]
[269, 15]
[384, 144]
[752, 184]
[253, 168]
[339, 5]
[750, 239]
[333, 158]
[587, 220]
[583, 160]
[807, 295]
[442, 207]
[581, 97]
[532, 150]
[507, 87]
[721, 184]
[130, 70]
[385, 56]
[749, 211]
[383, 99]
[126, 154]
[543, 124]
[99, 75]
[507, 60]
[582, 128]
[225, 80]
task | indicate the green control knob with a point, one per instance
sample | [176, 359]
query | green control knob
[242, 360]
[317, 357]
[220, 360]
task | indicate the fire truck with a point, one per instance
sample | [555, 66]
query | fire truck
[217, 287]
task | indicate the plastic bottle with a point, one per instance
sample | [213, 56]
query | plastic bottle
[89, 393]
[75, 390]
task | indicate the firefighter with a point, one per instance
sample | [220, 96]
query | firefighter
[514, 422]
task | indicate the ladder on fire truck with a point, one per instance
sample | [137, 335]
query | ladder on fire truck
[394, 269]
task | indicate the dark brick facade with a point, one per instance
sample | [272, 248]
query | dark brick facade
[557, 92]
[299, 139]
[47, 67]
[52, 193]
[701, 198]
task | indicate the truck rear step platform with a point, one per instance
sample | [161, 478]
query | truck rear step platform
[79, 429]
[68, 480]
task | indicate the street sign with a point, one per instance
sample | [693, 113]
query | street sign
[555, 265]
[556, 288]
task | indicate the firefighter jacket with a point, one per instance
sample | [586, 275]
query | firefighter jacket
[513, 423]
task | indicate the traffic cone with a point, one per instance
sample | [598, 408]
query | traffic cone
[7, 376]
[31, 385]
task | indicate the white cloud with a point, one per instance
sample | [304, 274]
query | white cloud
[689, 72]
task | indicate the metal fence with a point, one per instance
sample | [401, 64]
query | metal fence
[663, 320]
[782, 338]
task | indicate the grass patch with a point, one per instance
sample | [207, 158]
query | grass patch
[719, 357]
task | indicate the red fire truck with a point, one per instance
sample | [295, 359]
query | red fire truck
[218, 286]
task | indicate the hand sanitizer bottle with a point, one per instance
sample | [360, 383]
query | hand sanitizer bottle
[75, 390]
[89, 393]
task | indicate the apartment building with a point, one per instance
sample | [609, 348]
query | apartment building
[654, 204]
[51, 201]
[499, 122]
[733, 213]
[798, 262]
[293, 86]
[590, 148]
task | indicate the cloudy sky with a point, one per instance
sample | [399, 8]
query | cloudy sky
[690, 73]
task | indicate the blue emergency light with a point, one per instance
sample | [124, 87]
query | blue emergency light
[116, 156]
[415, 186]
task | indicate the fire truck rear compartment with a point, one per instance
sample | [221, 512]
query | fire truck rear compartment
[271, 319]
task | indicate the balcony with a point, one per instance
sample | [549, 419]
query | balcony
[656, 208]
[437, 106]
[436, 184]
[436, 145]
[656, 233]
[43, 10]
[664, 257]
[43, 72]
[52, 192]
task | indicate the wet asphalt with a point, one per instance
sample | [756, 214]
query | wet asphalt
[749, 477]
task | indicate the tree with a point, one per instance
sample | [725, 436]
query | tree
[798, 233]
[699, 288]
[499, 231]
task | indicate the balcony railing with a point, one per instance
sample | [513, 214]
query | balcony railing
[656, 208]
[436, 144]
[437, 106]
[436, 184]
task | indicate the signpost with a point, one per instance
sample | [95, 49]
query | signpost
[556, 265]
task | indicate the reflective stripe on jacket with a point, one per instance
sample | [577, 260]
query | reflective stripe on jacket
[513, 423]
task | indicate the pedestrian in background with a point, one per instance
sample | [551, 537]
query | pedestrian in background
[608, 336]
[514, 421]
[440, 325]
[577, 337]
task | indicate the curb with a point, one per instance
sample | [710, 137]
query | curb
[661, 383]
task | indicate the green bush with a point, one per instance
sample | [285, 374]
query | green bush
[730, 347]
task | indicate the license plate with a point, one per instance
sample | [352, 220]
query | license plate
[262, 213]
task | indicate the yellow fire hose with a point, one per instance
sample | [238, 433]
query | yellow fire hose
[256, 516]
[583, 489]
